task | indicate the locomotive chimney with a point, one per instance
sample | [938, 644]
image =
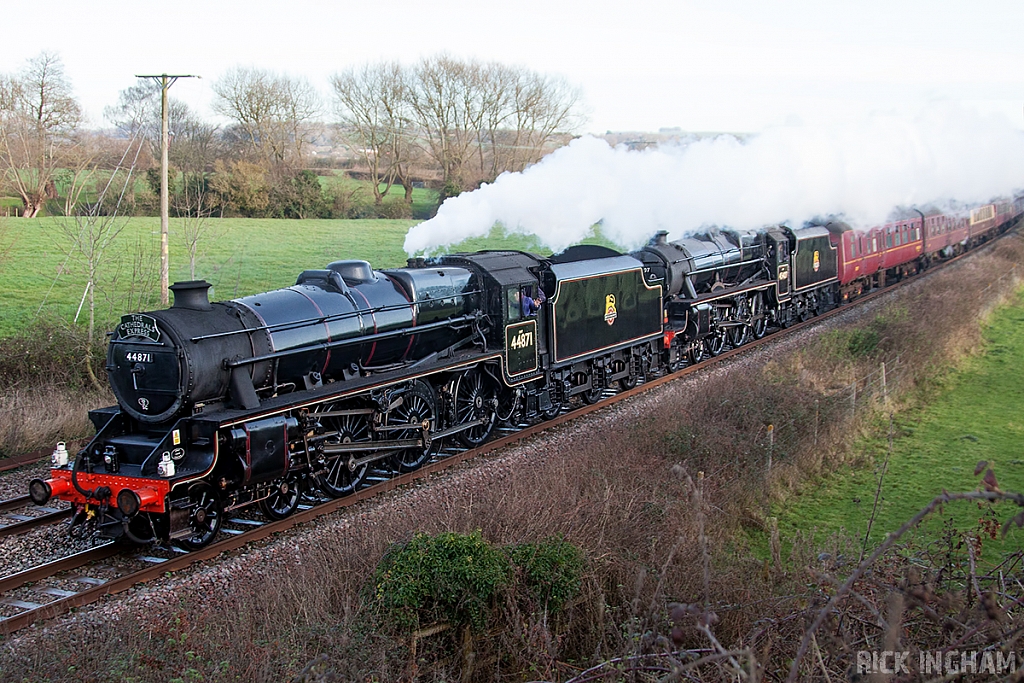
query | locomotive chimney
[660, 237]
[191, 294]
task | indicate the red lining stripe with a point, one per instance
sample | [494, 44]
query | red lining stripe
[327, 330]
[408, 297]
[373, 317]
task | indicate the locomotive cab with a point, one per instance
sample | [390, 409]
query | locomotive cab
[778, 262]
[508, 277]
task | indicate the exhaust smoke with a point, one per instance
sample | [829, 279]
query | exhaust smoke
[789, 174]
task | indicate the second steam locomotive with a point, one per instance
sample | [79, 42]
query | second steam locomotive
[256, 400]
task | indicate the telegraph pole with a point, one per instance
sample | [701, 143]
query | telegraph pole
[166, 81]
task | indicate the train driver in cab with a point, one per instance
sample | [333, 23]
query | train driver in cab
[531, 303]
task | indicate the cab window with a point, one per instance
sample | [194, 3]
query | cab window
[513, 304]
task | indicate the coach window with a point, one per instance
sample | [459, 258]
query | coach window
[853, 246]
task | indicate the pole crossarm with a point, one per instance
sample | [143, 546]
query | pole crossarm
[166, 81]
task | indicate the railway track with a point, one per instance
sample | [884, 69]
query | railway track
[56, 587]
[13, 523]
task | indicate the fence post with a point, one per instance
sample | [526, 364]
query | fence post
[885, 390]
[815, 422]
[853, 400]
[771, 446]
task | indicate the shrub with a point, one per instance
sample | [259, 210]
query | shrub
[299, 196]
[52, 352]
[241, 188]
[394, 209]
[551, 570]
[449, 577]
[450, 188]
[862, 342]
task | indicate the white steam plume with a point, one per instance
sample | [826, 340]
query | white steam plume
[786, 174]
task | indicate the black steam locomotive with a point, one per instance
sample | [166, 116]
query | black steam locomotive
[226, 404]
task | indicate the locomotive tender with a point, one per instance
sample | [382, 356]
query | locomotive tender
[226, 404]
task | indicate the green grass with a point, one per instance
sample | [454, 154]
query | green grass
[978, 414]
[424, 200]
[239, 256]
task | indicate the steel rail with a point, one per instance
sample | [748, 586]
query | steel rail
[16, 461]
[21, 526]
[45, 571]
[121, 584]
[14, 503]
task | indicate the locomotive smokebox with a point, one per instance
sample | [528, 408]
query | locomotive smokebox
[193, 294]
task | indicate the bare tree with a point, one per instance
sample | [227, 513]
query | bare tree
[86, 238]
[373, 105]
[497, 85]
[506, 117]
[195, 145]
[137, 115]
[195, 206]
[543, 112]
[273, 114]
[39, 118]
[194, 151]
[79, 170]
[446, 111]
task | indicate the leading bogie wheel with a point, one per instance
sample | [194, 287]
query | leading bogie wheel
[205, 516]
[283, 499]
[698, 352]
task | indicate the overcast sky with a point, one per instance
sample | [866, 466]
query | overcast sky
[728, 65]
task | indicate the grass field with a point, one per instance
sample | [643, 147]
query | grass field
[423, 200]
[978, 414]
[239, 256]
[335, 182]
